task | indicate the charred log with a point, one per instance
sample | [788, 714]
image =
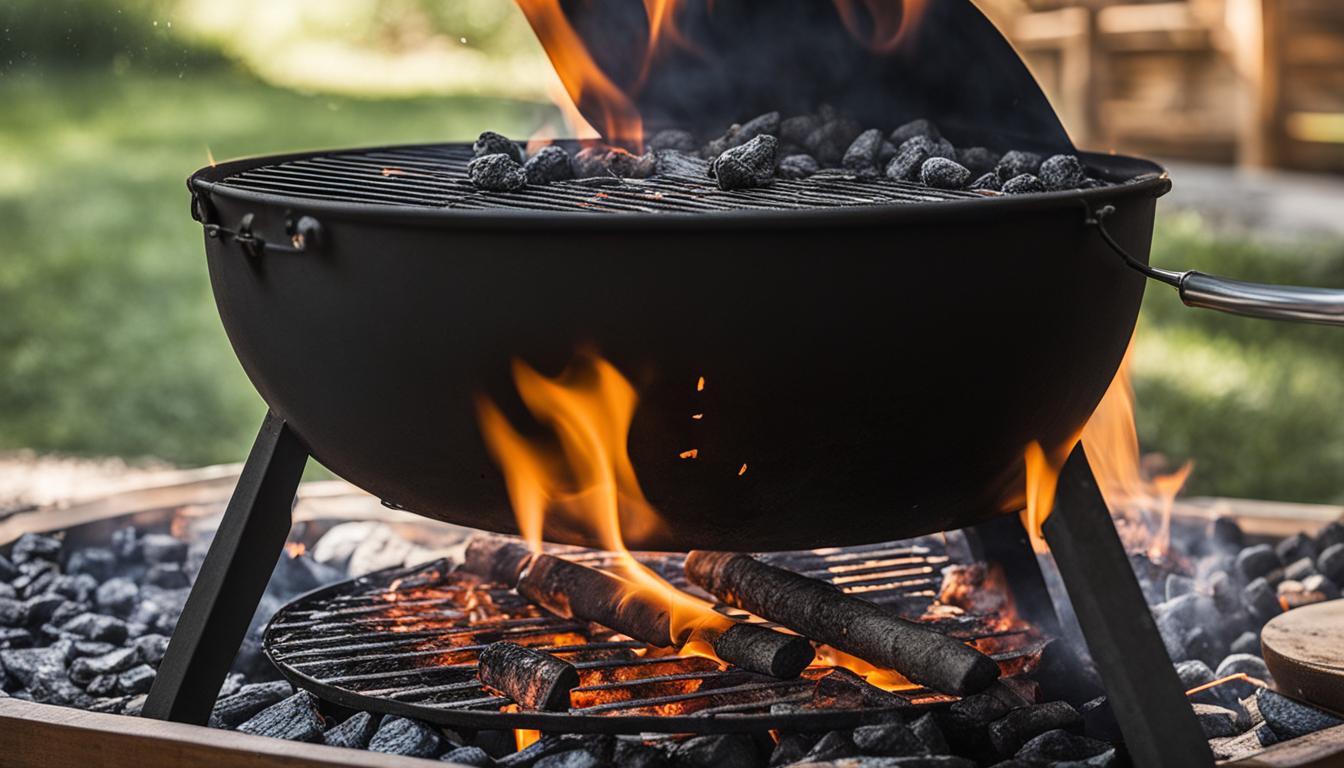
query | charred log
[496, 558]
[825, 614]
[534, 679]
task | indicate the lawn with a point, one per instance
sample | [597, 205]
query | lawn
[109, 342]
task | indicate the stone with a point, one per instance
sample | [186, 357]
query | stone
[673, 138]
[491, 143]
[232, 711]
[988, 182]
[575, 758]
[1022, 185]
[833, 746]
[861, 156]
[1215, 721]
[1014, 729]
[893, 739]
[471, 756]
[152, 647]
[547, 165]
[497, 173]
[941, 173]
[747, 166]
[1062, 172]
[117, 596]
[97, 626]
[1015, 163]
[156, 548]
[1256, 561]
[926, 728]
[792, 746]
[13, 613]
[7, 569]
[1060, 745]
[125, 544]
[1247, 643]
[296, 718]
[911, 156]
[1330, 535]
[35, 546]
[716, 751]
[1296, 547]
[103, 685]
[1331, 563]
[98, 562]
[167, 576]
[1226, 596]
[135, 680]
[404, 736]
[85, 669]
[1299, 569]
[797, 167]
[912, 129]
[1225, 534]
[761, 125]
[77, 588]
[1290, 719]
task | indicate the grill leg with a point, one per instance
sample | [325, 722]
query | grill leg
[232, 579]
[1144, 692]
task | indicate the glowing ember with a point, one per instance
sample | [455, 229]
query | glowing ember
[700, 384]
[295, 548]
[742, 471]
[525, 737]
[691, 454]
[393, 172]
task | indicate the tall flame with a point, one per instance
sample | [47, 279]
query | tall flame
[583, 479]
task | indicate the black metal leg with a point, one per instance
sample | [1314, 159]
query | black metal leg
[1144, 692]
[232, 579]
[1004, 541]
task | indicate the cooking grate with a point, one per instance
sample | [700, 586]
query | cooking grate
[404, 642]
[435, 176]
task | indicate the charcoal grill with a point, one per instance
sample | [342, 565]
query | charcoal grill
[879, 353]
[403, 642]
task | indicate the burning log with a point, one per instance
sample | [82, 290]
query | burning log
[534, 679]
[857, 627]
[496, 558]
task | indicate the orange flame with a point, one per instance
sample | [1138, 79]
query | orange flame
[1141, 504]
[583, 481]
[525, 737]
[296, 548]
[882, 25]
[1043, 470]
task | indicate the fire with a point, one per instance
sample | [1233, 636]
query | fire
[295, 548]
[583, 480]
[1043, 470]
[525, 737]
[881, 25]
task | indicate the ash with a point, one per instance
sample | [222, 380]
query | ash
[770, 146]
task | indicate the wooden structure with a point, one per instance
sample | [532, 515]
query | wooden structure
[1258, 82]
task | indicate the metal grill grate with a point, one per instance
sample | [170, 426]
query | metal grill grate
[435, 176]
[405, 642]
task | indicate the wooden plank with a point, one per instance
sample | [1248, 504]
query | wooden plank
[45, 736]
[1322, 749]
[1276, 519]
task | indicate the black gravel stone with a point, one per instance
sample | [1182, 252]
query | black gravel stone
[894, 739]
[912, 129]
[472, 756]
[7, 590]
[135, 680]
[1060, 745]
[497, 173]
[36, 546]
[1246, 643]
[26, 664]
[861, 157]
[989, 182]
[125, 545]
[404, 736]
[748, 166]
[11, 637]
[1015, 163]
[716, 751]
[673, 138]
[7, 569]
[1290, 719]
[83, 648]
[231, 711]
[912, 155]
[1225, 534]
[797, 167]
[294, 719]
[926, 728]
[152, 648]
[941, 173]
[491, 143]
[35, 577]
[1216, 722]
[167, 576]
[97, 562]
[1256, 561]
[96, 626]
[978, 160]
[1296, 547]
[1014, 729]
[161, 548]
[831, 139]
[103, 685]
[83, 670]
[548, 164]
[79, 588]
[1331, 563]
[1062, 172]
[1261, 600]
[13, 613]
[117, 596]
[1021, 185]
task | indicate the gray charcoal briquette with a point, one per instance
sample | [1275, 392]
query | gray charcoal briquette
[491, 143]
[497, 173]
[941, 173]
[797, 167]
[748, 166]
[548, 164]
[1062, 172]
[1021, 185]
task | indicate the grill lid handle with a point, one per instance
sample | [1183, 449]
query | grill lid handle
[1299, 304]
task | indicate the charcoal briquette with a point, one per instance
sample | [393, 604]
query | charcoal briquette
[1295, 547]
[92, 648]
[1321, 584]
[7, 569]
[761, 125]
[1225, 533]
[97, 626]
[893, 739]
[941, 173]
[1200, 643]
[1021, 185]
[672, 138]
[978, 160]
[152, 647]
[627, 165]
[989, 182]
[914, 128]
[1014, 729]
[117, 596]
[1330, 563]
[796, 130]
[911, 155]
[1017, 163]
[1225, 595]
[35, 546]
[797, 167]
[1178, 585]
[926, 728]
[135, 680]
[167, 575]
[1060, 745]
[471, 756]
[1289, 719]
[833, 746]
[1062, 172]
[404, 736]
[748, 166]
[1256, 561]
[491, 143]
[1246, 642]
[233, 682]
[885, 153]
[11, 637]
[1299, 569]
[85, 669]
[7, 590]
[716, 751]
[125, 544]
[35, 577]
[497, 173]
[831, 139]
[98, 562]
[574, 758]
[231, 711]
[79, 588]
[1248, 664]
[791, 747]
[26, 664]
[102, 685]
[1330, 535]
[861, 156]
[547, 165]
[13, 613]
[295, 719]
[1261, 600]
[1216, 722]
[673, 162]
[353, 733]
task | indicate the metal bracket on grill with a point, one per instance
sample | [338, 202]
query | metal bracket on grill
[305, 232]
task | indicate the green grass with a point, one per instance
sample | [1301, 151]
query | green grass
[110, 345]
[109, 341]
